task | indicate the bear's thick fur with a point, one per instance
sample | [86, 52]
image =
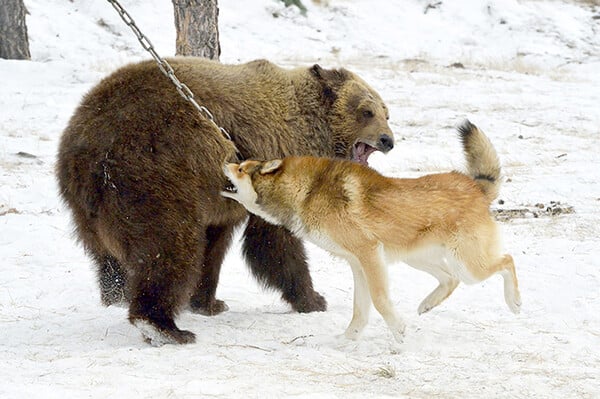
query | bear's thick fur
[141, 170]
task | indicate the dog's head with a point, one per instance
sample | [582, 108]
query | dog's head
[247, 180]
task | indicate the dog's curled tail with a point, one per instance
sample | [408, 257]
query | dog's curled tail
[483, 165]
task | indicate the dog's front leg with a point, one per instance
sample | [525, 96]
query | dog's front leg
[362, 301]
[375, 270]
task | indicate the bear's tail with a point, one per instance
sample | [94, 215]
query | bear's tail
[483, 165]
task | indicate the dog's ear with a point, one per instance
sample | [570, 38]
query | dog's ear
[270, 166]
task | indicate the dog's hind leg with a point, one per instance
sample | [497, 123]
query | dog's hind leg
[362, 302]
[375, 270]
[481, 264]
[512, 296]
[506, 268]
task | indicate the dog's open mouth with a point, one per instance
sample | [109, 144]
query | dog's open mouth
[361, 152]
[230, 187]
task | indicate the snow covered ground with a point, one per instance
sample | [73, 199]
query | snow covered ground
[527, 72]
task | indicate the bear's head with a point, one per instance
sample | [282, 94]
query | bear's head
[357, 115]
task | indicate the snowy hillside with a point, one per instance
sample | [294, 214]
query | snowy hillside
[526, 71]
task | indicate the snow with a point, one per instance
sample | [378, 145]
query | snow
[530, 79]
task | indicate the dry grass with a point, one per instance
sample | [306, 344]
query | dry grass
[387, 371]
[554, 208]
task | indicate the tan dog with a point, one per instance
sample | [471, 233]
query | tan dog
[437, 223]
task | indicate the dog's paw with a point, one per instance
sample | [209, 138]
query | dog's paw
[398, 331]
[352, 333]
[514, 304]
[512, 296]
[398, 336]
[428, 304]
[424, 307]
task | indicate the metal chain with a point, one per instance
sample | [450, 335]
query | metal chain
[165, 68]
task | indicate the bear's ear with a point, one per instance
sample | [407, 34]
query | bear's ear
[331, 76]
[330, 79]
[270, 166]
[317, 71]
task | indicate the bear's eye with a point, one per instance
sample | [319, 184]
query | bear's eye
[368, 113]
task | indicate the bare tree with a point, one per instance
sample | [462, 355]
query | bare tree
[197, 27]
[14, 43]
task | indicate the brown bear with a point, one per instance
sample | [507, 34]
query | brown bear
[141, 170]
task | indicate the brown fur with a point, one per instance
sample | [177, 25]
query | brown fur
[141, 171]
[438, 223]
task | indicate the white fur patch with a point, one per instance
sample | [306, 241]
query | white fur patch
[151, 334]
[435, 259]
[322, 240]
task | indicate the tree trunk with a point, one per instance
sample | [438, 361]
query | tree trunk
[14, 43]
[197, 27]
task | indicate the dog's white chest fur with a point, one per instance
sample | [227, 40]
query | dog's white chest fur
[321, 240]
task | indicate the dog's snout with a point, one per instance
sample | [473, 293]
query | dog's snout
[385, 143]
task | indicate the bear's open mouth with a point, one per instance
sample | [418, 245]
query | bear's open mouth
[361, 152]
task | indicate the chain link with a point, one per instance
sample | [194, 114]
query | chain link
[166, 68]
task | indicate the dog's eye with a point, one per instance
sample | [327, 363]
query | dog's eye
[240, 169]
[368, 113]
